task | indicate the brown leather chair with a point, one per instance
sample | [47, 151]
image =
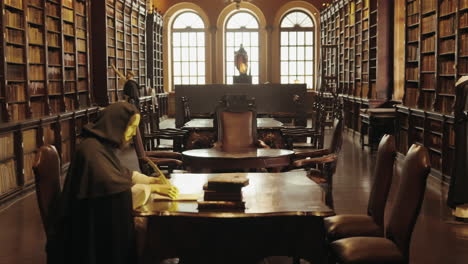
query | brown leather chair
[372, 224]
[237, 124]
[394, 247]
[164, 159]
[47, 175]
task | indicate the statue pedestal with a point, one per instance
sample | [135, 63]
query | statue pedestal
[246, 79]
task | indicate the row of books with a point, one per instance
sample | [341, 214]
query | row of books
[36, 35]
[429, 24]
[428, 81]
[18, 111]
[35, 16]
[413, 34]
[464, 44]
[14, 36]
[8, 179]
[447, 67]
[38, 108]
[463, 66]
[411, 96]
[412, 8]
[14, 54]
[28, 162]
[36, 72]
[36, 88]
[413, 19]
[436, 160]
[52, 9]
[6, 146]
[15, 72]
[428, 63]
[15, 3]
[412, 73]
[463, 20]
[426, 100]
[446, 86]
[13, 19]
[447, 45]
[463, 4]
[428, 5]
[36, 54]
[428, 44]
[447, 6]
[412, 52]
[447, 27]
[444, 104]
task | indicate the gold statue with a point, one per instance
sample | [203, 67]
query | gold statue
[241, 60]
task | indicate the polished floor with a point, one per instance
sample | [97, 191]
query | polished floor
[437, 238]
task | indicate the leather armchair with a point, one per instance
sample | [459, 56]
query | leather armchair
[394, 247]
[46, 169]
[372, 224]
[236, 124]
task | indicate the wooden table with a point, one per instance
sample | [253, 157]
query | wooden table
[197, 160]
[375, 122]
[283, 217]
[202, 134]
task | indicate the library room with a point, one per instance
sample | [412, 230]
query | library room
[234, 131]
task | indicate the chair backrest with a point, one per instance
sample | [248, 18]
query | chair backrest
[414, 171]
[186, 110]
[383, 174]
[337, 137]
[139, 147]
[47, 175]
[236, 121]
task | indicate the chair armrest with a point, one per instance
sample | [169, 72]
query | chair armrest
[312, 154]
[315, 161]
[262, 144]
[165, 162]
[164, 154]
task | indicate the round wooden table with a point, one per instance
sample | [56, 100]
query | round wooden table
[252, 158]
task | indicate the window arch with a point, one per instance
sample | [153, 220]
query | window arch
[242, 28]
[297, 48]
[188, 49]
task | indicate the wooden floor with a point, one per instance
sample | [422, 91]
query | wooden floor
[437, 238]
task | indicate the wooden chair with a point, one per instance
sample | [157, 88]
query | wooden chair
[236, 123]
[395, 246]
[188, 115]
[321, 163]
[47, 176]
[372, 224]
[296, 136]
[153, 134]
[164, 159]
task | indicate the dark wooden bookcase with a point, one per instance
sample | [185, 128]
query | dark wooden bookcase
[119, 38]
[154, 27]
[361, 30]
[436, 56]
[45, 84]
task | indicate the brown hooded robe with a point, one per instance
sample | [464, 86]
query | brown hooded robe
[94, 222]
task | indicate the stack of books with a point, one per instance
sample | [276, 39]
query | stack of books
[225, 191]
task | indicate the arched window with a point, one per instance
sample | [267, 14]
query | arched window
[188, 49]
[242, 28]
[297, 48]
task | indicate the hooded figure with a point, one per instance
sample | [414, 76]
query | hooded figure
[93, 220]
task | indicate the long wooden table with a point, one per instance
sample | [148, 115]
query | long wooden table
[207, 160]
[202, 134]
[283, 217]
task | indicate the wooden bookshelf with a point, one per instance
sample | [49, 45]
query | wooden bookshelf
[358, 28]
[436, 56]
[123, 45]
[154, 26]
[44, 77]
